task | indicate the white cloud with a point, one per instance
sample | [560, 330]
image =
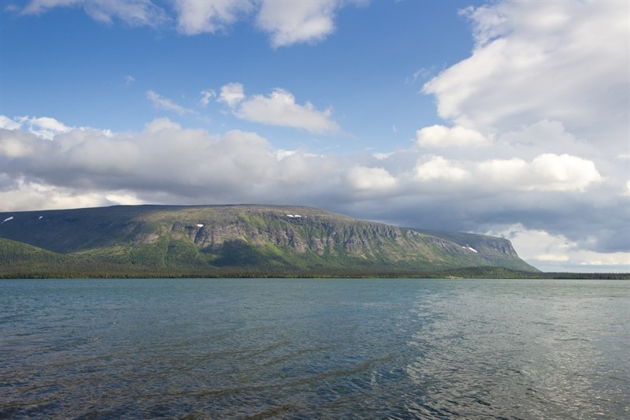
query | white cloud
[551, 258]
[25, 195]
[16, 145]
[43, 127]
[166, 163]
[162, 124]
[9, 124]
[39, 6]
[441, 136]
[564, 173]
[199, 16]
[440, 169]
[557, 253]
[559, 60]
[133, 12]
[547, 82]
[371, 179]
[164, 103]
[231, 94]
[283, 154]
[546, 172]
[507, 172]
[278, 108]
[382, 156]
[541, 134]
[206, 95]
[290, 22]
[129, 79]
[287, 22]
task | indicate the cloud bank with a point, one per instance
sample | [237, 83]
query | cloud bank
[560, 194]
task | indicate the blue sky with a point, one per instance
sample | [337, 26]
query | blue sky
[373, 64]
[507, 117]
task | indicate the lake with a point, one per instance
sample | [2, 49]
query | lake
[315, 348]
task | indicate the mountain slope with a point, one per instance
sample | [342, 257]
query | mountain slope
[210, 240]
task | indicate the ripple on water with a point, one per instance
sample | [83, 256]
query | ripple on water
[296, 348]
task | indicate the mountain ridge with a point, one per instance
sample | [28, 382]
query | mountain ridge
[217, 239]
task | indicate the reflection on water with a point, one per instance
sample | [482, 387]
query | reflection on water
[297, 348]
[508, 353]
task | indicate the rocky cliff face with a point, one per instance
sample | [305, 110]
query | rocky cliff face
[276, 236]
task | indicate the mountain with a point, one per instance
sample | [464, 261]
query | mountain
[233, 240]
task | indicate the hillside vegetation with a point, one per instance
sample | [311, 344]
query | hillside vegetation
[255, 240]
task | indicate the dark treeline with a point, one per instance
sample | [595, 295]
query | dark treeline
[463, 273]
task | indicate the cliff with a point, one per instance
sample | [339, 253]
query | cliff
[217, 240]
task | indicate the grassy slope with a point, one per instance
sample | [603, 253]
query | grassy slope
[234, 240]
[18, 260]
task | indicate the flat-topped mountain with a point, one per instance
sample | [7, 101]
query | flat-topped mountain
[232, 240]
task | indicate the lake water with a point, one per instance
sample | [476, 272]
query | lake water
[314, 348]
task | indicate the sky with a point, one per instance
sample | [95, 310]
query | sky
[503, 117]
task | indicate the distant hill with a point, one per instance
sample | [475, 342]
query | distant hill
[234, 240]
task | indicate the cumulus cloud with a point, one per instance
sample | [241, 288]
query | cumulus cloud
[371, 179]
[287, 22]
[166, 163]
[164, 160]
[548, 85]
[278, 108]
[440, 169]
[560, 60]
[15, 145]
[563, 172]
[231, 94]
[441, 136]
[166, 104]
[547, 172]
[8, 124]
[199, 16]
[43, 127]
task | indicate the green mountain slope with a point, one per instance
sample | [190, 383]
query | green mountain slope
[224, 240]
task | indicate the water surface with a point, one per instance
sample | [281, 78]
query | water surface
[314, 348]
